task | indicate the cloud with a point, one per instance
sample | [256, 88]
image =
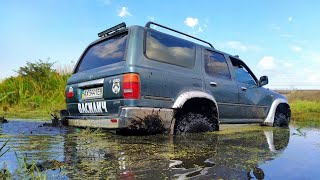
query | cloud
[275, 27]
[313, 76]
[105, 2]
[124, 12]
[239, 46]
[290, 19]
[200, 29]
[313, 56]
[285, 35]
[151, 18]
[291, 73]
[296, 48]
[191, 22]
[288, 65]
[267, 63]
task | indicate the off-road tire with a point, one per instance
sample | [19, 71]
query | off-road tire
[282, 116]
[192, 123]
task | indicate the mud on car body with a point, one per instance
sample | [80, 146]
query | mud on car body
[138, 78]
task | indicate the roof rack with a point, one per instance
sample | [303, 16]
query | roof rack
[112, 30]
[149, 23]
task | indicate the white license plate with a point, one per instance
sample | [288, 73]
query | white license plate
[92, 93]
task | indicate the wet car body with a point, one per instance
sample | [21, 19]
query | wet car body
[139, 78]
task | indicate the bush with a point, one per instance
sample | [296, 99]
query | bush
[38, 87]
[37, 71]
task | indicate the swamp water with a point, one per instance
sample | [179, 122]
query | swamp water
[235, 152]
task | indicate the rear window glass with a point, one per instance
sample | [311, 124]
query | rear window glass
[106, 52]
[169, 49]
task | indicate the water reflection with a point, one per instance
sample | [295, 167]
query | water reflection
[248, 152]
[200, 156]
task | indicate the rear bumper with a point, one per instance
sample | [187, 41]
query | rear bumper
[129, 117]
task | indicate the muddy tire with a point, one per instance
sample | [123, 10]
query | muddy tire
[282, 116]
[192, 123]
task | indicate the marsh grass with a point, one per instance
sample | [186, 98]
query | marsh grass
[2, 151]
[305, 113]
[26, 169]
[305, 107]
[37, 91]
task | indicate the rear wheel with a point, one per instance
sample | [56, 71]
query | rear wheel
[196, 115]
[282, 116]
[192, 123]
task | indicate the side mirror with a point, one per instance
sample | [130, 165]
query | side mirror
[263, 80]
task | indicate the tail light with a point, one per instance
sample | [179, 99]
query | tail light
[131, 86]
[70, 93]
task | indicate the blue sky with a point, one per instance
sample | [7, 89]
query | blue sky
[275, 38]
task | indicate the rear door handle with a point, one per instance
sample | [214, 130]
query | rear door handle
[213, 84]
[243, 88]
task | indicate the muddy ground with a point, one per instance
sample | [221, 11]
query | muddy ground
[240, 152]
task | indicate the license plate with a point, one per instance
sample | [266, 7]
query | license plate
[92, 93]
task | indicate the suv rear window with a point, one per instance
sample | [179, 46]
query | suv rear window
[169, 49]
[106, 52]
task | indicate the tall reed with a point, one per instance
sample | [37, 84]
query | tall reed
[35, 93]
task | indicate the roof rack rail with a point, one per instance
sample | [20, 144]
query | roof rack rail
[112, 30]
[149, 23]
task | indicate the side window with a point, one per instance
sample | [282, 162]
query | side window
[216, 65]
[169, 49]
[242, 74]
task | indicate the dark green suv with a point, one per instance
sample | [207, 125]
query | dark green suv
[139, 78]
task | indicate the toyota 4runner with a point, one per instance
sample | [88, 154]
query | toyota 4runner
[138, 78]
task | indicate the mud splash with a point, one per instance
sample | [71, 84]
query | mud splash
[149, 125]
[241, 152]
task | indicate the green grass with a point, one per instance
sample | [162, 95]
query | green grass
[306, 113]
[26, 97]
[305, 107]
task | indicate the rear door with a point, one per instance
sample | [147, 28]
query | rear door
[219, 83]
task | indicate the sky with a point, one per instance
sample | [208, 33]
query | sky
[275, 38]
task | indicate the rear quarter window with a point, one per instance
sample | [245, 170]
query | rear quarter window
[169, 49]
[103, 53]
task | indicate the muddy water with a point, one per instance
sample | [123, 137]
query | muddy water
[240, 152]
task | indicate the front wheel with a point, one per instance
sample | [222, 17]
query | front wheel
[282, 116]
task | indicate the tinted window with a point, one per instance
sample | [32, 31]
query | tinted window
[106, 52]
[216, 65]
[242, 74]
[169, 49]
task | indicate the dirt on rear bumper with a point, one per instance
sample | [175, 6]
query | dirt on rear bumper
[135, 118]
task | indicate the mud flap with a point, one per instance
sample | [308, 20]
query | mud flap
[63, 114]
